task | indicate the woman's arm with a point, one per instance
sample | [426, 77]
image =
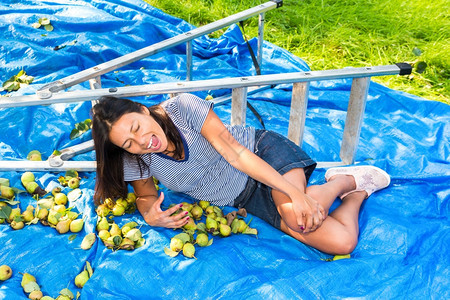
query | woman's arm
[149, 205]
[308, 213]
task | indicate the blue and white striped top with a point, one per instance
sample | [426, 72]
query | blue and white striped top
[203, 174]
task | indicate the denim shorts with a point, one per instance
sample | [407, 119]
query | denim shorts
[283, 155]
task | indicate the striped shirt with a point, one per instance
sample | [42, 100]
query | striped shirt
[203, 174]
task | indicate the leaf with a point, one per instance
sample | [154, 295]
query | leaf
[71, 173]
[56, 152]
[66, 292]
[18, 218]
[34, 221]
[48, 27]
[74, 195]
[21, 72]
[5, 211]
[72, 237]
[209, 242]
[184, 237]
[416, 51]
[89, 269]
[170, 252]
[31, 286]
[74, 134]
[78, 295]
[117, 240]
[4, 181]
[249, 230]
[11, 202]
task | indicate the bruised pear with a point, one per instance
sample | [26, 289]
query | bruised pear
[196, 212]
[88, 241]
[63, 226]
[81, 279]
[211, 224]
[56, 190]
[33, 188]
[35, 295]
[74, 183]
[186, 206]
[209, 210]
[188, 250]
[5, 272]
[76, 225]
[60, 199]
[126, 244]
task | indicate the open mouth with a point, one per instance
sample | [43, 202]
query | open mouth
[154, 143]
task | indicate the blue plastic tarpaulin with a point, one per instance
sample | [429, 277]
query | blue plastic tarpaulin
[404, 229]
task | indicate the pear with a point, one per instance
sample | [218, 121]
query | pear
[202, 239]
[125, 229]
[56, 190]
[33, 188]
[176, 244]
[186, 206]
[53, 217]
[3, 204]
[50, 298]
[15, 212]
[102, 210]
[34, 155]
[81, 279]
[59, 208]
[6, 192]
[26, 278]
[76, 225]
[109, 203]
[42, 213]
[203, 204]
[27, 177]
[60, 199]
[47, 203]
[74, 183]
[5, 272]
[131, 198]
[197, 212]
[104, 234]
[211, 224]
[126, 244]
[35, 295]
[103, 224]
[118, 210]
[209, 210]
[28, 214]
[122, 202]
[134, 234]
[188, 250]
[224, 230]
[17, 225]
[63, 226]
[115, 229]
[190, 225]
[242, 226]
[221, 220]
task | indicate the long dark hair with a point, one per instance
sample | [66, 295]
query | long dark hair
[110, 181]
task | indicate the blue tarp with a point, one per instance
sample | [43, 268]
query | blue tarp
[404, 229]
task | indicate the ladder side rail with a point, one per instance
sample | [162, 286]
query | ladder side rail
[259, 54]
[189, 61]
[238, 106]
[126, 59]
[297, 116]
[354, 119]
[199, 85]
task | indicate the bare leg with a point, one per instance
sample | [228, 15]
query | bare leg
[338, 233]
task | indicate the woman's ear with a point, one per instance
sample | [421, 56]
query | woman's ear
[145, 110]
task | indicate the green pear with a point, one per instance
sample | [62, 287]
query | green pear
[27, 177]
[242, 226]
[102, 210]
[74, 183]
[134, 234]
[197, 212]
[190, 225]
[118, 210]
[33, 188]
[34, 155]
[202, 239]
[186, 206]
[6, 192]
[76, 225]
[104, 234]
[176, 244]
[122, 202]
[15, 212]
[211, 224]
[42, 213]
[53, 217]
[203, 204]
[224, 230]
[131, 198]
[28, 214]
[56, 190]
[35, 295]
[60, 199]
[188, 250]
[115, 229]
[17, 225]
[81, 279]
[5, 272]
[209, 210]
[103, 224]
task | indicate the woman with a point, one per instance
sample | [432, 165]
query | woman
[184, 144]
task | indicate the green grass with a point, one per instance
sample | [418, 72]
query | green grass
[330, 34]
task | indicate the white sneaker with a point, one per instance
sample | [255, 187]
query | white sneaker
[367, 178]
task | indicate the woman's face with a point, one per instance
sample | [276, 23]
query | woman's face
[138, 133]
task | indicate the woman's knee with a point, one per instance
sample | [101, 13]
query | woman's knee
[345, 244]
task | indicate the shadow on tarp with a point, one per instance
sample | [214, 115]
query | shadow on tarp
[404, 229]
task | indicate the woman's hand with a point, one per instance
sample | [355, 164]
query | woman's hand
[309, 213]
[155, 216]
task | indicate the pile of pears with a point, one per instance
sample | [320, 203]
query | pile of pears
[50, 211]
[198, 233]
[127, 237]
[32, 288]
